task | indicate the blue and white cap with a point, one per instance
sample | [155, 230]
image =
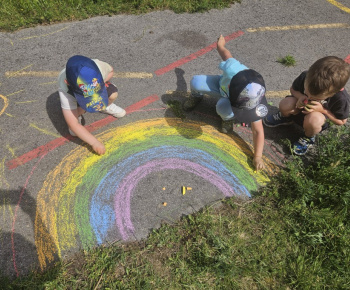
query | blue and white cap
[247, 96]
[87, 84]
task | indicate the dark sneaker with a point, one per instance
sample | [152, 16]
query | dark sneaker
[226, 126]
[191, 102]
[301, 146]
[277, 120]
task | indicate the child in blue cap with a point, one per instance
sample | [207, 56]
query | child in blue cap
[84, 87]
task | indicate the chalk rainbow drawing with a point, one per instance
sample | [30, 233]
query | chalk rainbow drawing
[86, 196]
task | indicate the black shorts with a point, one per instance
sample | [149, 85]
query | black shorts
[111, 89]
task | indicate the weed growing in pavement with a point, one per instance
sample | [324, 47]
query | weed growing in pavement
[288, 60]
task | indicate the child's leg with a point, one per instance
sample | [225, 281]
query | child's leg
[200, 85]
[81, 111]
[313, 123]
[113, 109]
[112, 91]
[224, 109]
[112, 98]
[205, 84]
[287, 106]
[283, 117]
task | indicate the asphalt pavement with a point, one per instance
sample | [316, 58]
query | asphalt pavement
[57, 197]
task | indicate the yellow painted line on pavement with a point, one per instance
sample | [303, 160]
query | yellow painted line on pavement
[269, 94]
[12, 151]
[15, 93]
[10, 210]
[32, 74]
[14, 73]
[21, 73]
[277, 94]
[3, 181]
[339, 5]
[6, 103]
[49, 83]
[24, 102]
[43, 35]
[133, 75]
[44, 130]
[296, 27]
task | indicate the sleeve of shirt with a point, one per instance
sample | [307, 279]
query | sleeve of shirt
[62, 86]
[104, 67]
[339, 105]
[68, 101]
[298, 83]
[231, 67]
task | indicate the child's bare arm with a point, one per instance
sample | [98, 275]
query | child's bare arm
[258, 143]
[316, 106]
[222, 50]
[71, 117]
[300, 96]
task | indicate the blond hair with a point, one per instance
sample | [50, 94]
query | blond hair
[327, 76]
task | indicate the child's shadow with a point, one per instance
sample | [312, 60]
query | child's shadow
[18, 255]
[204, 113]
[54, 111]
[175, 115]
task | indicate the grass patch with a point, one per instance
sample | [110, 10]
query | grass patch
[288, 60]
[15, 14]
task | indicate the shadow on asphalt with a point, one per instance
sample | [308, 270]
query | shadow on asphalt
[17, 254]
[54, 111]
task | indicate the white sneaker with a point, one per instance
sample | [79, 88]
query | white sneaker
[70, 131]
[114, 110]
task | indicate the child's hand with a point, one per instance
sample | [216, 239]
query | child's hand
[301, 102]
[221, 41]
[258, 163]
[313, 106]
[99, 148]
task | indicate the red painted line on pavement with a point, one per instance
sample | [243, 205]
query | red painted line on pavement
[195, 55]
[44, 149]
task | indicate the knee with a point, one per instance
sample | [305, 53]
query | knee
[196, 82]
[287, 104]
[314, 120]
